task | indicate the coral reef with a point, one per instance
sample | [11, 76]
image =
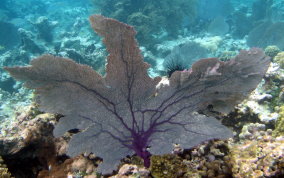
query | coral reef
[79, 166]
[27, 143]
[266, 99]
[30, 149]
[28, 42]
[258, 158]
[210, 43]
[209, 159]
[271, 51]
[150, 18]
[4, 172]
[166, 29]
[132, 171]
[252, 130]
[258, 153]
[279, 125]
[12, 104]
[279, 59]
[45, 28]
[167, 166]
[159, 115]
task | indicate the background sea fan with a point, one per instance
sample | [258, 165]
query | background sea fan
[126, 111]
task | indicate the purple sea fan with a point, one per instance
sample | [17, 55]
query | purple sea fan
[127, 111]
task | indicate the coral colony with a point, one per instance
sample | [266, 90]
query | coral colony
[126, 112]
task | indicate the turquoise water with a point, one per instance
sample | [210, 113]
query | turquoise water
[172, 35]
[49, 25]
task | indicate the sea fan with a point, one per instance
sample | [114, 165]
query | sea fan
[126, 111]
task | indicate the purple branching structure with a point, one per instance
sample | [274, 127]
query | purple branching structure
[126, 112]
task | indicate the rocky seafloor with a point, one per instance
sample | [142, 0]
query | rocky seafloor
[28, 148]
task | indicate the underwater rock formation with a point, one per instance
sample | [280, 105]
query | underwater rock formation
[127, 110]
